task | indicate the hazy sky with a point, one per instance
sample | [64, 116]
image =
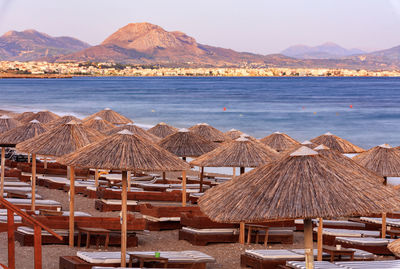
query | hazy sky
[260, 26]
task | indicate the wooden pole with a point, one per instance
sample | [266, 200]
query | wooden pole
[45, 163]
[96, 178]
[320, 242]
[11, 242]
[124, 219]
[33, 182]
[129, 180]
[183, 188]
[241, 233]
[37, 246]
[3, 167]
[383, 225]
[242, 170]
[234, 172]
[308, 243]
[71, 205]
[201, 178]
[164, 178]
[29, 158]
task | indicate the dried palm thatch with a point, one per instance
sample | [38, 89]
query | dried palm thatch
[305, 185]
[279, 141]
[187, 144]
[394, 247]
[99, 124]
[339, 157]
[305, 143]
[22, 133]
[24, 117]
[383, 160]
[7, 123]
[162, 130]
[61, 140]
[44, 117]
[336, 143]
[233, 134]
[110, 116]
[135, 130]
[208, 132]
[62, 120]
[127, 152]
[241, 152]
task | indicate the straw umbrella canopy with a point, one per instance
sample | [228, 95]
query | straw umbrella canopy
[127, 152]
[135, 130]
[279, 141]
[24, 117]
[208, 132]
[64, 119]
[162, 130]
[305, 185]
[305, 143]
[394, 247]
[110, 116]
[15, 136]
[99, 124]
[7, 123]
[59, 141]
[233, 134]
[336, 143]
[44, 116]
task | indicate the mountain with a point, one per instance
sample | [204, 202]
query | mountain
[32, 45]
[325, 51]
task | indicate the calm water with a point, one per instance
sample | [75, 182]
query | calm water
[301, 107]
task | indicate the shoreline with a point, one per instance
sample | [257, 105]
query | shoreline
[19, 76]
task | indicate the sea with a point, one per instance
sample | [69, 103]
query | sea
[363, 110]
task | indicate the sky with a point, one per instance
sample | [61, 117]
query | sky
[258, 26]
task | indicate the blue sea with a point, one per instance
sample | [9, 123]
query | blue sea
[365, 111]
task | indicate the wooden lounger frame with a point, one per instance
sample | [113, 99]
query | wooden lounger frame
[247, 260]
[378, 250]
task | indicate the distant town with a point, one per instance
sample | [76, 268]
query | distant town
[11, 69]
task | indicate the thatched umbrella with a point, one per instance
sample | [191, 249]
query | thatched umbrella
[208, 132]
[233, 134]
[162, 130]
[59, 141]
[7, 123]
[99, 124]
[279, 141]
[305, 185]
[127, 152]
[17, 135]
[305, 143]
[135, 130]
[394, 247]
[64, 119]
[44, 116]
[24, 117]
[110, 116]
[336, 143]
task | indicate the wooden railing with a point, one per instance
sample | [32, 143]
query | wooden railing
[37, 226]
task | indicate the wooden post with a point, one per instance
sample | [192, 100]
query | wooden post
[183, 188]
[96, 178]
[308, 243]
[164, 178]
[320, 226]
[11, 242]
[201, 178]
[29, 158]
[383, 225]
[45, 163]
[33, 182]
[241, 233]
[124, 219]
[242, 170]
[3, 164]
[129, 180]
[71, 205]
[234, 172]
[37, 241]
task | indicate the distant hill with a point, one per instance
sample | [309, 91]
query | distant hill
[31, 45]
[325, 51]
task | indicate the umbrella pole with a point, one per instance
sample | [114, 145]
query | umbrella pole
[33, 181]
[71, 205]
[242, 170]
[183, 188]
[3, 163]
[96, 178]
[241, 233]
[234, 172]
[128, 175]
[320, 223]
[383, 225]
[308, 243]
[164, 178]
[124, 219]
[45, 163]
[201, 178]
[29, 158]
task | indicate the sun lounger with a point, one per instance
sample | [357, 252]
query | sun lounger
[268, 258]
[21, 195]
[329, 234]
[16, 184]
[374, 245]
[40, 204]
[106, 205]
[139, 194]
[392, 264]
[341, 224]
[389, 221]
[317, 265]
